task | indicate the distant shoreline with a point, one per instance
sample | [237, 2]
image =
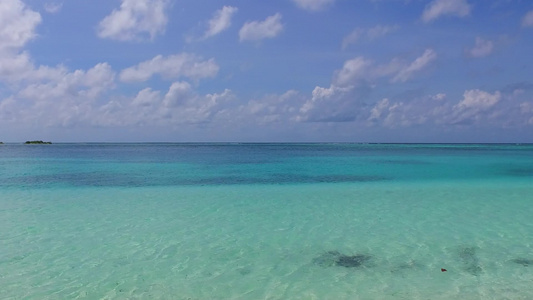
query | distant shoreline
[37, 142]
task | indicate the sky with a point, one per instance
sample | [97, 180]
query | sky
[457, 71]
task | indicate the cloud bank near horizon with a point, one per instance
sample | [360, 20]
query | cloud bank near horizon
[265, 74]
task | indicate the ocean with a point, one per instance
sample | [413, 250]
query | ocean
[266, 221]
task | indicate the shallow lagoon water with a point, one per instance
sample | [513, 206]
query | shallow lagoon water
[226, 221]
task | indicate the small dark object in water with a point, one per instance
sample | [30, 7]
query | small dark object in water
[523, 261]
[351, 261]
[443, 270]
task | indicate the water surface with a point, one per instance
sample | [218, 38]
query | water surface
[266, 221]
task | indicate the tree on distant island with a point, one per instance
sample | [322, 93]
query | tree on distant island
[38, 142]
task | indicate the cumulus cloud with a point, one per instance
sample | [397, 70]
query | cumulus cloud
[17, 24]
[419, 64]
[476, 108]
[526, 109]
[67, 96]
[146, 97]
[179, 105]
[39, 91]
[478, 100]
[20, 68]
[371, 33]
[313, 5]
[344, 99]
[527, 21]
[15, 67]
[417, 111]
[352, 71]
[90, 84]
[379, 109]
[438, 8]
[17, 27]
[258, 30]
[473, 107]
[220, 21]
[135, 20]
[272, 108]
[482, 48]
[393, 114]
[333, 104]
[178, 94]
[171, 67]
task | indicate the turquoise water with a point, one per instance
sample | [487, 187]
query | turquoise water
[266, 221]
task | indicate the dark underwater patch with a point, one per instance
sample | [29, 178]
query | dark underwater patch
[352, 261]
[470, 261]
[335, 258]
[284, 179]
[409, 265]
[107, 179]
[98, 179]
[401, 162]
[519, 172]
[526, 262]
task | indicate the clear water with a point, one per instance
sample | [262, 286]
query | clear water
[266, 221]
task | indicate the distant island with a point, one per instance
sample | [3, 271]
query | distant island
[1, 143]
[38, 142]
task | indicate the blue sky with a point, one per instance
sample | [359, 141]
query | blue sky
[262, 71]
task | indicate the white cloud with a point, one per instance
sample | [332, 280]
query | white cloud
[257, 30]
[526, 107]
[333, 104]
[17, 24]
[417, 111]
[352, 71]
[272, 108]
[438, 8]
[527, 21]
[380, 30]
[17, 27]
[220, 21]
[482, 48]
[478, 100]
[15, 67]
[20, 68]
[439, 97]
[476, 108]
[313, 5]
[352, 38]
[411, 112]
[379, 109]
[474, 104]
[370, 34]
[171, 67]
[89, 84]
[135, 20]
[359, 70]
[419, 64]
[178, 93]
[343, 100]
[146, 97]
[67, 96]
[179, 105]
[53, 7]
